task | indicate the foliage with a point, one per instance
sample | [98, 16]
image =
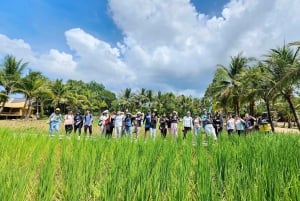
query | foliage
[257, 167]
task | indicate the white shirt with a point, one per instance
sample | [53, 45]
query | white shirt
[118, 121]
[187, 121]
[230, 124]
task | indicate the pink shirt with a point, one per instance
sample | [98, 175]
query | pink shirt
[69, 119]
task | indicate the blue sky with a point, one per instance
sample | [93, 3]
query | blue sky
[43, 23]
[173, 45]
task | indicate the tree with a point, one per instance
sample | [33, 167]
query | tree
[284, 66]
[32, 85]
[227, 85]
[60, 94]
[10, 74]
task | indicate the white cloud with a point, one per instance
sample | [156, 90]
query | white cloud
[167, 45]
[99, 61]
[171, 43]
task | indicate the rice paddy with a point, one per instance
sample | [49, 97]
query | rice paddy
[258, 167]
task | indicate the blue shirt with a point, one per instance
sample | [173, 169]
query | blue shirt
[88, 120]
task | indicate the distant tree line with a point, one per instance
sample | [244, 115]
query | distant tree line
[245, 85]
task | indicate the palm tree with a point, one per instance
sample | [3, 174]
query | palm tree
[61, 94]
[10, 74]
[284, 65]
[32, 85]
[260, 86]
[227, 84]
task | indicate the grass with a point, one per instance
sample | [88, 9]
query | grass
[257, 167]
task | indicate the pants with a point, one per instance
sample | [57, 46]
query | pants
[185, 130]
[54, 126]
[68, 129]
[210, 130]
[174, 129]
[78, 127]
[128, 130]
[118, 130]
[87, 127]
[163, 131]
[197, 131]
[153, 132]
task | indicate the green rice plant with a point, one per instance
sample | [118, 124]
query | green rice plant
[257, 167]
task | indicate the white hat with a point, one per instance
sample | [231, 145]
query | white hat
[105, 112]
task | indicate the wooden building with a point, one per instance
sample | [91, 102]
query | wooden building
[14, 108]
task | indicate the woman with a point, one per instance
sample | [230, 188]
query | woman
[174, 124]
[197, 125]
[163, 125]
[54, 121]
[239, 125]
[68, 122]
[78, 123]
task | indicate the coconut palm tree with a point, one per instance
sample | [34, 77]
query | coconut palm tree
[227, 84]
[284, 66]
[61, 95]
[10, 74]
[32, 85]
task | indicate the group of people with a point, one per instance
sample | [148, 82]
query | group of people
[71, 122]
[127, 124]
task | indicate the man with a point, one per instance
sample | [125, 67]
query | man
[88, 121]
[54, 121]
[147, 121]
[187, 122]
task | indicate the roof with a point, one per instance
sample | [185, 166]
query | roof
[15, 103]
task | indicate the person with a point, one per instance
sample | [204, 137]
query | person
[107, 129]
[112, 124]
[68, 122]
[88, 122]
[138, 123]
[128, 124]
[187, 124]
[54, 121]
[169, 122]
[163, 125]
[153, 124]
[105, 119]
[239, 125]
[101, 122]
[196, 125]
[78, 123]
[118, 124]
[204, 119]
[230, 126]
[210, 130]
[147, 121]
[218, 123]
[174, 124]
[249, 123]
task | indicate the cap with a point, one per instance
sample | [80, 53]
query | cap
[57, 109]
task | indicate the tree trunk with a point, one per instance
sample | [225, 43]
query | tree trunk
[24, 108]
[269, 114]
[251, 107]
[2, 106]
[289, 100]
[42, 112]
[28, 109]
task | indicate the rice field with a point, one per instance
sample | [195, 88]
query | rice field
[257, 167]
